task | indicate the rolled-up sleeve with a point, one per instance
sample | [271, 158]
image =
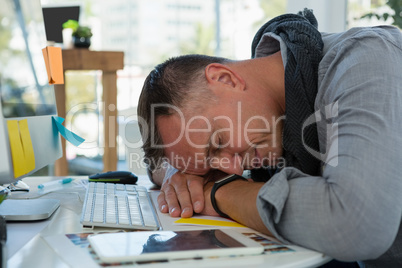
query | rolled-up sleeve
[353, 211]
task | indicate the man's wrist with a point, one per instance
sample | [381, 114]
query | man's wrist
[216, 186]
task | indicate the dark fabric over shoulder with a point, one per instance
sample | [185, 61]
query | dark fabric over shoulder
[263, 174]
[304, 53]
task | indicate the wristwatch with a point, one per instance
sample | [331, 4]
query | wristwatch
[217, 185]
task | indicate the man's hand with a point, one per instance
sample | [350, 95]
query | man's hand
[181, 195]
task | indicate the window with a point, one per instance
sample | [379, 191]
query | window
[152, 31]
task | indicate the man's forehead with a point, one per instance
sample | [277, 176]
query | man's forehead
[185, 119]
[168, 124]
[176, 128]
[185, 142]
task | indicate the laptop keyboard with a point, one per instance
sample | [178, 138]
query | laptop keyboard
[125, 206]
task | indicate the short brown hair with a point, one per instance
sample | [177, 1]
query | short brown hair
[176, 82]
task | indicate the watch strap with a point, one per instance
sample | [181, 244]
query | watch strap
[216, 186]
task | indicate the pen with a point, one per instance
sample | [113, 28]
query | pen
[53, 183]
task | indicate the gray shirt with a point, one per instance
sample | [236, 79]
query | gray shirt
[353, 210]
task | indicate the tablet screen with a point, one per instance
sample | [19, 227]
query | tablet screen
[157, 245]
[190, 240]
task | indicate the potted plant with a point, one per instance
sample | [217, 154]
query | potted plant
[81, 34]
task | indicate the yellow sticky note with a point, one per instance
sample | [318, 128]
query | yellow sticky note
[197, 221]
[54, 64]
[17, 153]
[22, 152]
[27, 145]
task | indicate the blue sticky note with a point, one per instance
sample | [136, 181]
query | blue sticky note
[67, 134]
[58, 119]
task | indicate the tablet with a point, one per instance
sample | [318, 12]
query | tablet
[170, 245]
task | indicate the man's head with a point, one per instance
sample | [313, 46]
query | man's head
[199, 113]
[177, 84]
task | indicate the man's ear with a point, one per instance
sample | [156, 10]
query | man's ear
[218, 74]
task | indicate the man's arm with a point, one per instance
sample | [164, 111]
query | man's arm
[349, 212]
[239, 200]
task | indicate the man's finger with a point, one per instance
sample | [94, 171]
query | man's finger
[172, 201]
[196, 188]
[184, 198]
[163, 206]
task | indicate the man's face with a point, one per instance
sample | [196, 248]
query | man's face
[236, 133]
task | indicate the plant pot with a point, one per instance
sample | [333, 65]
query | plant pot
[82, 42]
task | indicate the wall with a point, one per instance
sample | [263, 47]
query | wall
[331, 14]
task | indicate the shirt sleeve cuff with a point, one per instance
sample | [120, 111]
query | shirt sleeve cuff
[271, 201]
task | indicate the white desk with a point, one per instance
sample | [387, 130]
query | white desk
[28, 247]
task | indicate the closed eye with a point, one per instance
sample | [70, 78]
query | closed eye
[216, 144]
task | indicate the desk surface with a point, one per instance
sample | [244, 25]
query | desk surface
[29, 243]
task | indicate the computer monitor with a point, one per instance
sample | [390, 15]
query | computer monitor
[55, 16]
[26, 99]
